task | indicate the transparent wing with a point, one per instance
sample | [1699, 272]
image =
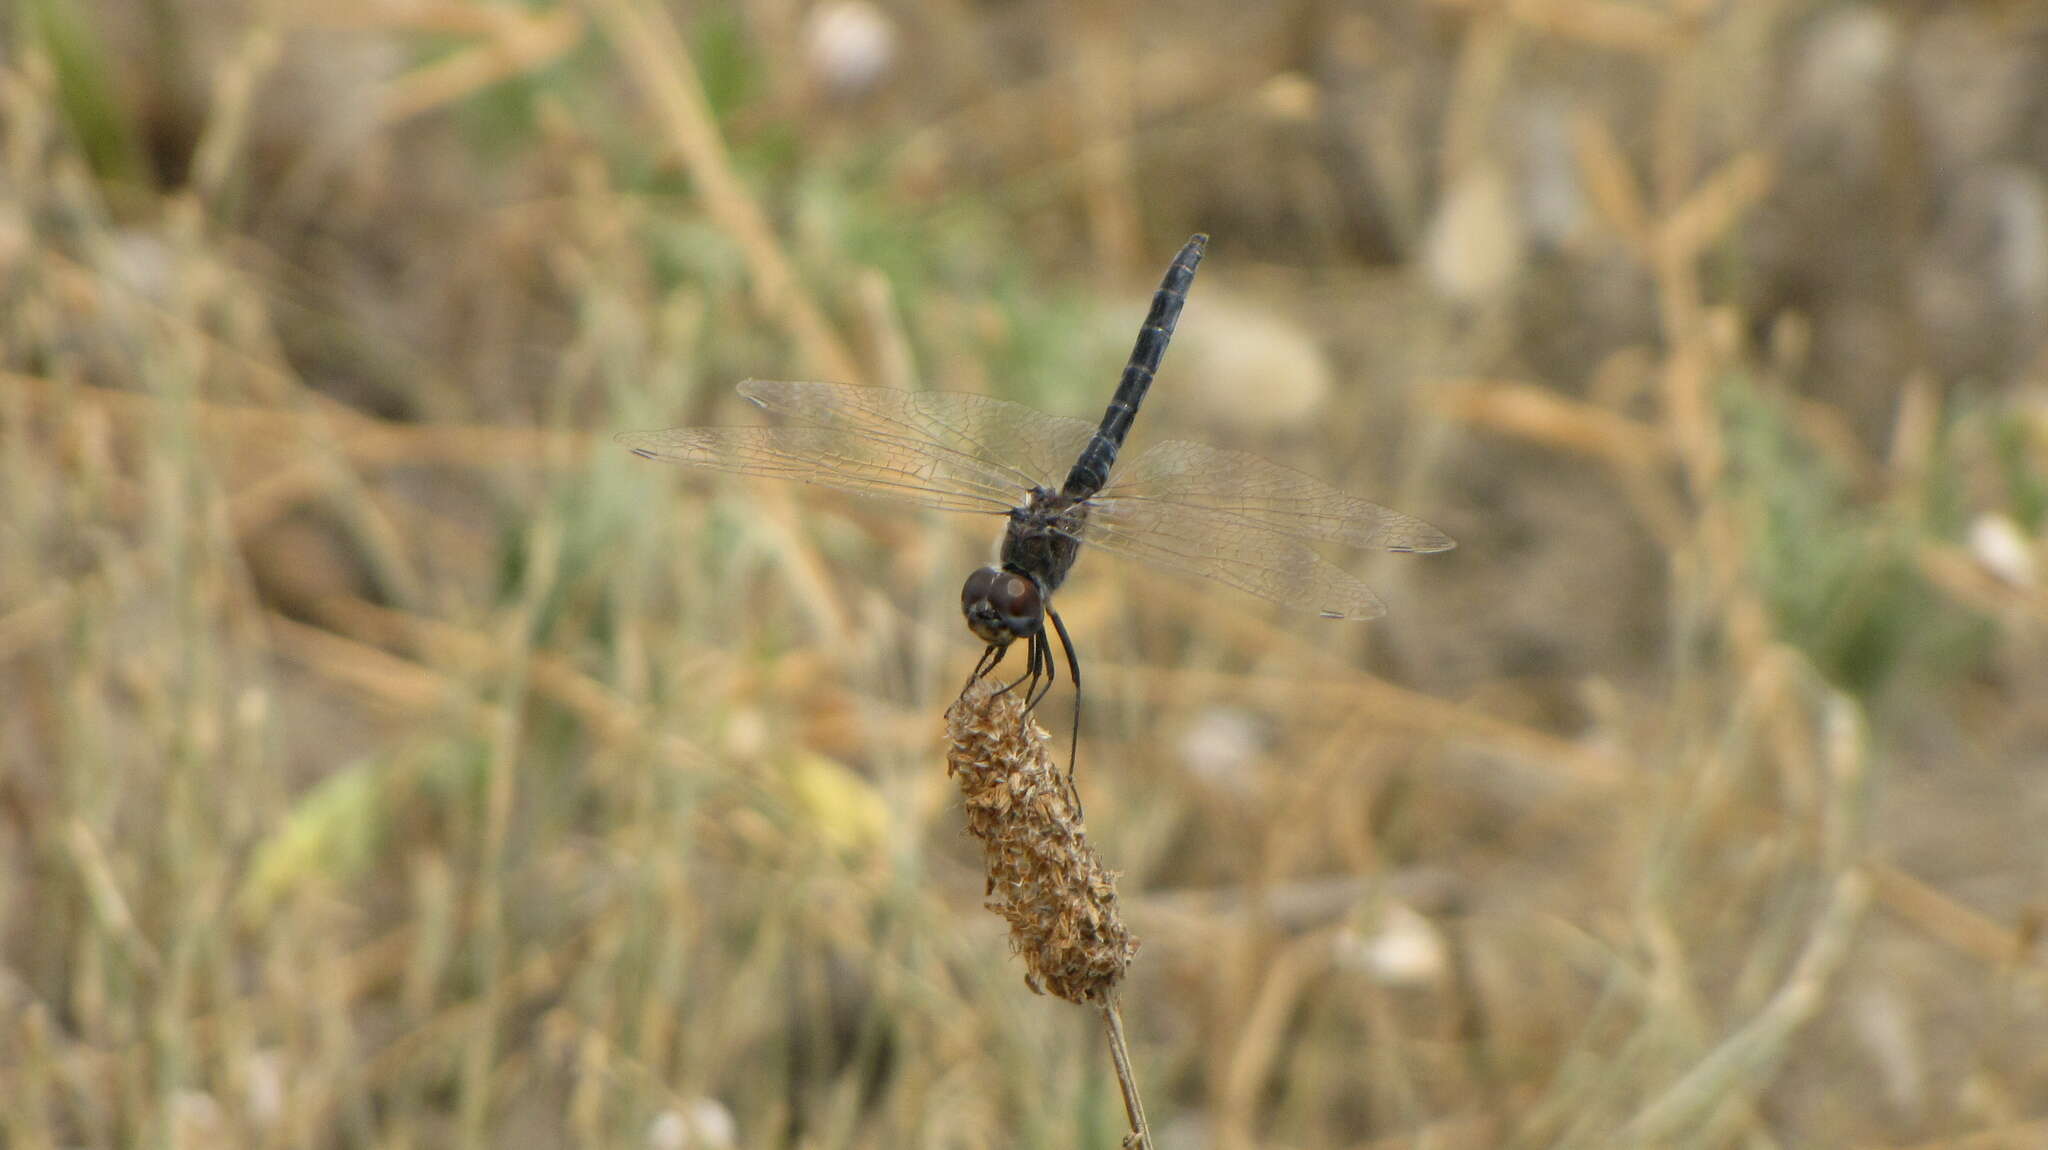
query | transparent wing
[1223, 546]
[993, 440]
[1276, 499]
[829, 457]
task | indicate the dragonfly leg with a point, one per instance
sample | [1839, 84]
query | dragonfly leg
[1044, 661]
[1041, 653]
[1074, 673]
[1030, 675]
[990, 656]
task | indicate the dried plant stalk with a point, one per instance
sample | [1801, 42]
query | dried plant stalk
[1043, 877]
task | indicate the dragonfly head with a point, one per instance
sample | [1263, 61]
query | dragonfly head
[1002, 605]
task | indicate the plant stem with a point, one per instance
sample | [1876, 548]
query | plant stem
[1141, 1134]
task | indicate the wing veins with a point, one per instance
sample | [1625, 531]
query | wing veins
[1265, 564]
[921, 418]
[762, 451]
[1268, 496]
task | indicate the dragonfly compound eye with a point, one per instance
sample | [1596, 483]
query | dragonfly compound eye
[1001, 605]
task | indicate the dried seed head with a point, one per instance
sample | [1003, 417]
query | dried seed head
[1043, 877]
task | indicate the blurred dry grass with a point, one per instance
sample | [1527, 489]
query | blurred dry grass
[387, 761]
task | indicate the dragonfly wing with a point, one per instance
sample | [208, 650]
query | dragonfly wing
[1211, 544]
[829, 457]
[1277, 499]
[990, 438]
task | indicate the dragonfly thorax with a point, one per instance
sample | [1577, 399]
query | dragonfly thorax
[1039, 546]
[1044, 537]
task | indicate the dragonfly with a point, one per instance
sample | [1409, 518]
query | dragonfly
[1184, 507]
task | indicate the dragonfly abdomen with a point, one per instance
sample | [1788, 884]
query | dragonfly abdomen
[1091, 471]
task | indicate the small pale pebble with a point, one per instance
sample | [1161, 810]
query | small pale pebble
[1473, 249]
[702, 1124]
[1848, 57]
[850, 45]
[2003, 549]
[263, 1090]
[197, 1120]
[1405, 949]
[1225, 340]
[1221, 747]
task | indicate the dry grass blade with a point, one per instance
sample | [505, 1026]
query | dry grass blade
[1750, 1054]
[653, 51]
[1616, 27]
[512, 44]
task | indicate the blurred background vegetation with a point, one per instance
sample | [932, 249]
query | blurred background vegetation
[387, 759]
